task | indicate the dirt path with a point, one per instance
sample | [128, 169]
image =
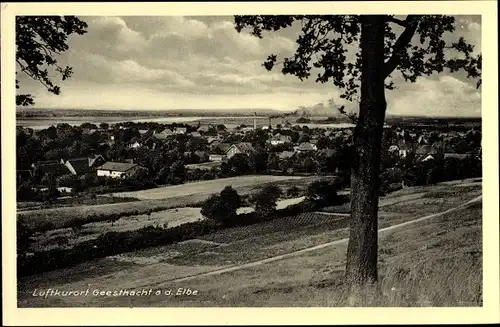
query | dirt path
[299, 252]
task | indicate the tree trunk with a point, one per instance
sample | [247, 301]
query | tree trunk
[361, 267]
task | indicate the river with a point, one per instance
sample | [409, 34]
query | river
[230, 122]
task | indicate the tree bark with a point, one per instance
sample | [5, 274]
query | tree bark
[361, 267]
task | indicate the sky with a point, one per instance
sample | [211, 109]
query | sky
[201, 62]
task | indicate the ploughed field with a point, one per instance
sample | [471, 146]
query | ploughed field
[434, 262]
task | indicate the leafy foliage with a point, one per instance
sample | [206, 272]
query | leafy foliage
[264, 201]
[39, 39]
[324, 192]
[222, 207]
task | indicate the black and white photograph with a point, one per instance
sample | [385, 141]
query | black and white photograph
[330, 160]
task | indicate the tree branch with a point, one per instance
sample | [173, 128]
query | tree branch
[34, 76]
[400, 22]
[404, 39]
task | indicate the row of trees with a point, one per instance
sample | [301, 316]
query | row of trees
[222, 207]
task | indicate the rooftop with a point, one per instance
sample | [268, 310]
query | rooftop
[80, 165]
[117, 166]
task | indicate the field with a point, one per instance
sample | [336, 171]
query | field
[72, 201]
[168, 197]
[205, 188]
[437, 264]
[68, 237]
[204, 165]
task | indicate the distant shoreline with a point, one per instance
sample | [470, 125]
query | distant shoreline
[34, 113]
[44, 113]
[44, 118]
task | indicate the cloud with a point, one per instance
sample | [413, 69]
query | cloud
[108, 36]
[444, 96]
[203, 61]
[152, 26]
[89, 95]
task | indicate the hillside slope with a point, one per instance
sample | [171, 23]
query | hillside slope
[432, 262]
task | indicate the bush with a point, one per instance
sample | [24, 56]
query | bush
[110, 243]
[293, 191]
[67, 180]
[51, 195]
[323, 192]
[221, 207]
[25, 192]
[264, 202]
[23, 238]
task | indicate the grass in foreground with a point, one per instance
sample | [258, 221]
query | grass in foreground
[436, 262]
[433, 263]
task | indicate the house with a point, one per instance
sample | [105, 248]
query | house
[160, 136]
[43, 162]
[117, 169]
[393, 148]
[78, 166]
[403, 149]
[62, 189]
[211, 139]
[329, 132]
[163, 135]
[305, 147]
[195, 134]
[425, 150]
[135, 143]
[217, 157]
[443, 146]
[107, 143]
[96, 161]
[246, 129]
[280, 139]
[285, 155]
[422, 140]
[328, 152]
[146, 136]
[429, 157]
[242, 147]
[221, 147]
[214, 146]
[203, 129]
[180, 130]
[202, 155]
